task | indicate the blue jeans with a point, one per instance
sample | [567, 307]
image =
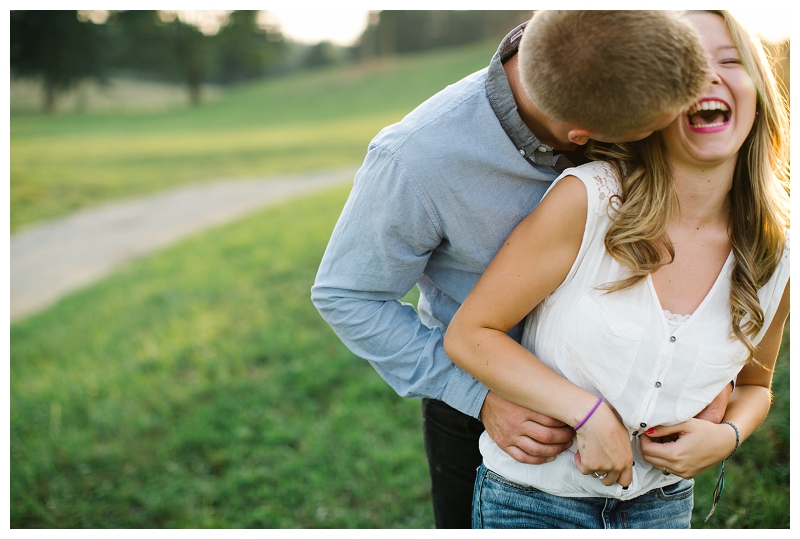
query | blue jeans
[500, 503]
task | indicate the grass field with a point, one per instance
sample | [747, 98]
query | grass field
[310, 121]
[198, 387]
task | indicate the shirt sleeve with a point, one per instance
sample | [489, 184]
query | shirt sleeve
[377, 252]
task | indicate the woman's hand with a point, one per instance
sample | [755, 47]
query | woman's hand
[604, 447]
[699, 446]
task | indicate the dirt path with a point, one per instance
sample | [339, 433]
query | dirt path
[52, 259]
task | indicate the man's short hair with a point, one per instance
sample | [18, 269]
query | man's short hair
[612, 72]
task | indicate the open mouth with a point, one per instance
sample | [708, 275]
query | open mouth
[708, 115]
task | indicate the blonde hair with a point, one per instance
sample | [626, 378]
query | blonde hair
[759, 197]
[612, 72]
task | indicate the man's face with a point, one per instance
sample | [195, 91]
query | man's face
[662, 120]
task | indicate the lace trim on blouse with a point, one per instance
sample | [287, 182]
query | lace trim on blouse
[674, 321]
[607, 182]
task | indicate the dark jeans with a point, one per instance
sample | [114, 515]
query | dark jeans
[451, 443]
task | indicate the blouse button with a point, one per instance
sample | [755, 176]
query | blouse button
[542, 149]
[672, 339]
[643, 425]
[658, 384]
[522, 152]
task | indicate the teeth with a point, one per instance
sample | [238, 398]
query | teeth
[708, 105]
[715, 124]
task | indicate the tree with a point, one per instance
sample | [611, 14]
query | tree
[190, 53]
[171, 50]
[57, 48]
[403, 31]
[322, 54]
[245, 50]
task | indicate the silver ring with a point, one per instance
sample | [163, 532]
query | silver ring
[664, 471]
[597, 475]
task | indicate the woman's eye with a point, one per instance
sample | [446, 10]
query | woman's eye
[731, 61]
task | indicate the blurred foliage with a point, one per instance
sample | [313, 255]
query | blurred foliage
[57, 48]
[322, 54]
[148, 45]
[244, 50]
[403, 31]
[63, 50]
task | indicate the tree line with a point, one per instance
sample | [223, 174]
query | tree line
[61, 49]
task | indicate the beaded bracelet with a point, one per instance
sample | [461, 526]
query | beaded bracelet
[721, 477]
[585, 419]
[737, 437]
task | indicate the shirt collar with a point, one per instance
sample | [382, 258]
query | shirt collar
[505, 108]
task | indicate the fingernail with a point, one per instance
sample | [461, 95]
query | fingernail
[650, 431]
[550, 459]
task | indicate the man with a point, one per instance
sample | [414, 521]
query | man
[440, 191]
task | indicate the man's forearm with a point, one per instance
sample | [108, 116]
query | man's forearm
[715, 411]
[408, 355]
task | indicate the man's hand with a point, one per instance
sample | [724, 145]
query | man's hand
[527, 436]
[715, 410]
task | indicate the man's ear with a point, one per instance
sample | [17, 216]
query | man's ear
[579, 135]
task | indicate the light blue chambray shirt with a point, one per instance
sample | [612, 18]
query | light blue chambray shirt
[436, 197]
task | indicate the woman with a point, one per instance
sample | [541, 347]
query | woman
[692, 221]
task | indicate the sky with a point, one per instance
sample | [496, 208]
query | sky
[342, 26]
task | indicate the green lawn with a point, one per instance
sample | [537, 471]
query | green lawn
[200, 388]
[309, 121]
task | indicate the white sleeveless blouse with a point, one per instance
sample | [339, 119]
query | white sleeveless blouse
[620, 345]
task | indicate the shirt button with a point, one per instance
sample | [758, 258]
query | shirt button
[542, 149]
[522, 152]
[658, 384]
[643, 425]
[672, 339]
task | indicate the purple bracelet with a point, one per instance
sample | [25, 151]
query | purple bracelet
[585, 419]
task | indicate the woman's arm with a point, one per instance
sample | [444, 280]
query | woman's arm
[701, 444]
[532, 263]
